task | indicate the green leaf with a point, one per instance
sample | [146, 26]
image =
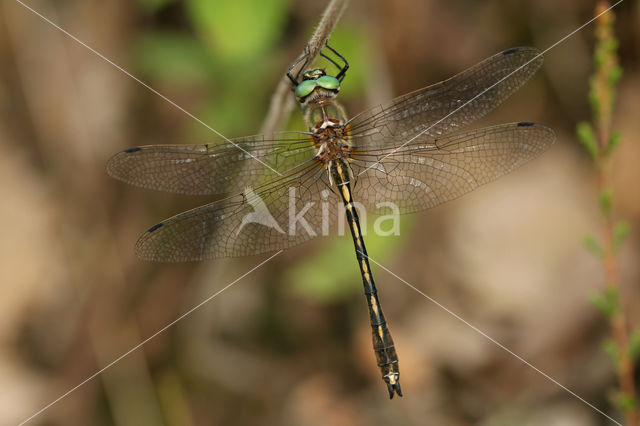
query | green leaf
[614, 141]
[620, 234]
[173, 57]
[634, 345]
[598, 58]
[587, 139]
[606, 201]
[614, 75]
[610, 348]
[592, 245]
[610, 46]
[606, 302]
[239, 30]
[625, 402]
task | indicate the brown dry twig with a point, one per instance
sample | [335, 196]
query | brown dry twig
[601, 141]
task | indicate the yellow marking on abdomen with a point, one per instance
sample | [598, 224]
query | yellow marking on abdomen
[380, 331]
[374, 305]
[346, 194]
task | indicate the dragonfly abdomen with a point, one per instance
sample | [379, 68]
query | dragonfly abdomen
[383, 345]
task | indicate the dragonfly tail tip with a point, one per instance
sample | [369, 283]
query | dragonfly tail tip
[394, 388]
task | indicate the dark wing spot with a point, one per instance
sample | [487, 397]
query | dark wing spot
[510, 51]
[525, 124]
[130, 150]
[154, 227]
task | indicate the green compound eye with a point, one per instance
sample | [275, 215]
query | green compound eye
[304, 88]
[328, 82]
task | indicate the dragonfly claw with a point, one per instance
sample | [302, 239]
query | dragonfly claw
[394, 388]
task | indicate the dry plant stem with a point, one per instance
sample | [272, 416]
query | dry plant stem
[603, 121]
[282, 101]
[617, 321]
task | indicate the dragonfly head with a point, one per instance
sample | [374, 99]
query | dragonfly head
[316, 79]
[313, 74]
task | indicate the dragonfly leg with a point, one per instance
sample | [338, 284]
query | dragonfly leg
[305, 58]
[331, 60]
[342, 69]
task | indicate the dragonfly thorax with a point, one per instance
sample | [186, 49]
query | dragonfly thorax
[326, 120]
[333, 149]
[323, 112]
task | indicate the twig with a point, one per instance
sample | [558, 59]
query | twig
[282, 101]
[600, 141]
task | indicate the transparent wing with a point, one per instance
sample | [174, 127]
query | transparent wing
[280, 214]
[212, 168]
[409, 152]
[446, 106]
[430, 171]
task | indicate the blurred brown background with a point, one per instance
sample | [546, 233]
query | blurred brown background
[290, 343]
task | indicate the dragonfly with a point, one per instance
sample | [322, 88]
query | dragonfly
[412, 151]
